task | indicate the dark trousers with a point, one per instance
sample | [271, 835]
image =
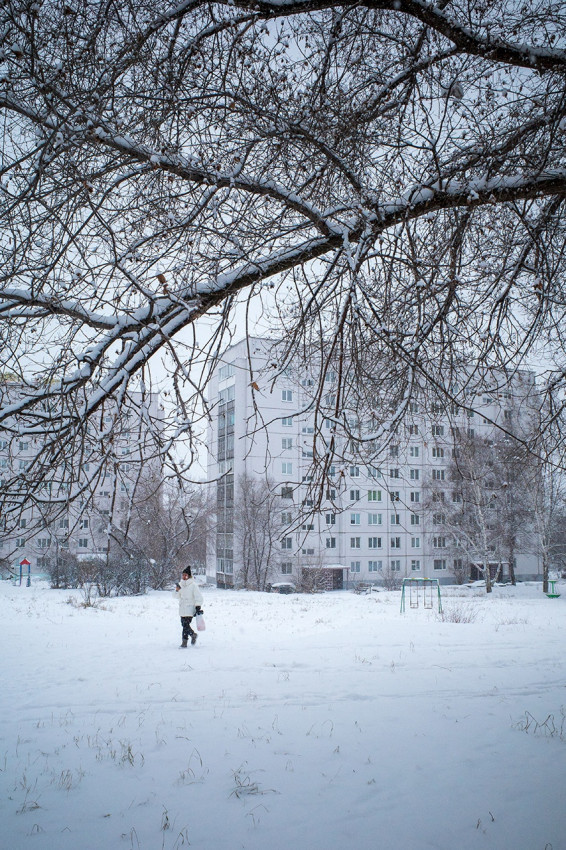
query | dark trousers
[186, 624]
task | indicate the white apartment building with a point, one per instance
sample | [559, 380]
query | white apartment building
[377, 519]
[63, 520]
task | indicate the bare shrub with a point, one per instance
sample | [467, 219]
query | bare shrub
[460, 613]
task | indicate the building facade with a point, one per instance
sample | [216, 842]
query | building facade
[381, 512]
[74, 509]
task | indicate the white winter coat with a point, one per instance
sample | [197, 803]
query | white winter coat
[189, 597]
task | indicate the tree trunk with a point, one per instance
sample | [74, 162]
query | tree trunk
[545, 570]
[512, 564]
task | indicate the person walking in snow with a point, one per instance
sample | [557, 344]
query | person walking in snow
[190, 601]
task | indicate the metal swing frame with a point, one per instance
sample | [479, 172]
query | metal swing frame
[421, 588]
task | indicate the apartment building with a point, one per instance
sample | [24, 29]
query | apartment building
[63, 519]
[382, 511]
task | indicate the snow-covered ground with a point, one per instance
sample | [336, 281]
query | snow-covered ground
[323, 722]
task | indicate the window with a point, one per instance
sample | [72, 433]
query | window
[330, 519]
[394, 495]
[83, 542]
[438, 496]
[458, 564]
[439, 542]
[374, 495]
[395, 566]
[415, 542]
[287, 468]
[227, 394]
[456, 497]
[24, 464]
[414, 406]
[44, 542]
[437, 451]
[287, 543]
[374, 519]
[414, 474]
[355, 542]
[307, 452]
[307, 430]
[375, 566]
[308, 526]
[438, 430]
[439, 564]
[21, 542]
[354, 471]
[415, 496]
[415, 565]
[471, 432]
[23, 522]
[394, 473]
[374, 472]
[286, 395]
[23, 446]
[286, 492]
[415, 519]
[225, 371]
[438, 519]
[438, 475]
[307, 551]
[413, 429]
[395, 542]
[286, 518]
[395, 519]
[287, 443]
[374, 542]
[287, 421]
[330, 493]
[355, 566]
[354, 495]
[286, 568]
[414, 451]
[354, 519]
[63, 523]
[331, 543]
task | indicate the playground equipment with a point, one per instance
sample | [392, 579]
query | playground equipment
[421, 589]
[23, 565]
[552, 594]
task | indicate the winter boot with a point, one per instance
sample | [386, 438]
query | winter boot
[183, 644]
[193, 638]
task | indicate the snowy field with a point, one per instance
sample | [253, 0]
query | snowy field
[321, 722]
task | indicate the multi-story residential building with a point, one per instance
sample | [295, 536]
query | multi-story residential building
[72, 511]
[380, 511]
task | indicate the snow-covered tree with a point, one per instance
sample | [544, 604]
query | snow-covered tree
[257, 530]
[386, 178]
[487, 515]
[166, 528]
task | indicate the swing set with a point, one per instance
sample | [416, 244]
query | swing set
[421, 589]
